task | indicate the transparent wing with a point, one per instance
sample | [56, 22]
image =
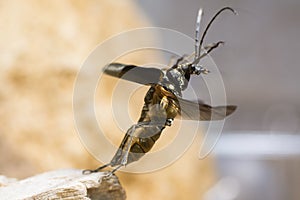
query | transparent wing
[134, 73]
[202, 112]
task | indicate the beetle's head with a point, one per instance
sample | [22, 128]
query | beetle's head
[197, 69]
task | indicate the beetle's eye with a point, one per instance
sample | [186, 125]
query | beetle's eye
[192, 68]
[195, 69]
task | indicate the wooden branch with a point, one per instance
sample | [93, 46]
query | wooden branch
[63, 184]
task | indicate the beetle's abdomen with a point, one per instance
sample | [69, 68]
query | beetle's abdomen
[159, 105]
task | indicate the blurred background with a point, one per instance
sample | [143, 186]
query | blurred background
[44, 43]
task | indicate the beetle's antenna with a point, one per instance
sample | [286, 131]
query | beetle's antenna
[208, 26]
[197, 34]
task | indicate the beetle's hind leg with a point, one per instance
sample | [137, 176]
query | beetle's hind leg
[107, 175]
[123, 161]
[89, 171]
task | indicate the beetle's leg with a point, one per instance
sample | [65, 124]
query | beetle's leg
[183, 59]
[172, 61]
[89, 171]
[115, 169]
[127, 147]
[210, 47]
[207, 50]
[124, 159]
[109, 174]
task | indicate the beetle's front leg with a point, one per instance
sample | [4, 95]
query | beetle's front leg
[196, 67]
[211, 47]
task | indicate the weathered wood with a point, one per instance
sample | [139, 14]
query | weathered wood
[63, 184]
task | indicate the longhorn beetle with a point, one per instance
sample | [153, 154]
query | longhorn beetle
[163, 101]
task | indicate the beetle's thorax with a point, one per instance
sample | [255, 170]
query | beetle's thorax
[176, 80]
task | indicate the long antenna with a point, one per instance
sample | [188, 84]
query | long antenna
[197, 35]
[208, 26]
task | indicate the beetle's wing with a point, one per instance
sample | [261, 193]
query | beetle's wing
[134, 73]
[202, 112]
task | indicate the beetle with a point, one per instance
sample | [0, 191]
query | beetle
[163, 102]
